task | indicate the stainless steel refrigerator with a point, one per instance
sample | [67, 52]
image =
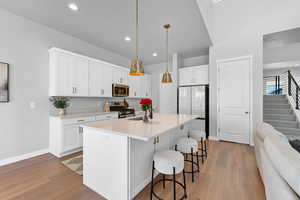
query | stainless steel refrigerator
[194, 100]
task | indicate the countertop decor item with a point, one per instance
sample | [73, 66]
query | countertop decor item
[137, 66]
[60, 103]
[167, 78]
[146, 105]
[106, 107]
[4, 89]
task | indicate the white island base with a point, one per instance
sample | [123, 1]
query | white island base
[118, 154]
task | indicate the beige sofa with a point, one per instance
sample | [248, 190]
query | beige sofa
[278, 163]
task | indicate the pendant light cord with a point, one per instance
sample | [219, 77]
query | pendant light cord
[137, 31]
[167, 48]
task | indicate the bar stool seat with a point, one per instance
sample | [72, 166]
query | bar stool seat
[197, 135]
[166, 160]
[186, 145]
[200, 136]
[189, 146]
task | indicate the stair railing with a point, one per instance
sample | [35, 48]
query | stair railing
[293, 89]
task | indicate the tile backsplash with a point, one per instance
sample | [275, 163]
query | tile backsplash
[78, 105]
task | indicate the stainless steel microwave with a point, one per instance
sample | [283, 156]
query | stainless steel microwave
[120, 90]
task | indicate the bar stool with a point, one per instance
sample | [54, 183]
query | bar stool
[168, 162]
[188, 146]
[200, 136]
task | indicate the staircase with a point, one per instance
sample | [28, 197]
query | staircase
[279, 113]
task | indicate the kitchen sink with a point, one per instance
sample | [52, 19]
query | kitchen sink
[136, 119]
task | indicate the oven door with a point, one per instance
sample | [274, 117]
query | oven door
[120, 90]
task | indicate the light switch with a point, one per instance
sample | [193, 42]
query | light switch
[32, 105]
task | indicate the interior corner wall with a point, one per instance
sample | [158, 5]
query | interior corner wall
[24, 45]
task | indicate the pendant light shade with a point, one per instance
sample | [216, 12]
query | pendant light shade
[167, 78]
[137, 66]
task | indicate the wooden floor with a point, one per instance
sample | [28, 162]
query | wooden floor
[230, 173]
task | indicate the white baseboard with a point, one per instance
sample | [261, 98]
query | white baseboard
[215, 138]
[23, 157]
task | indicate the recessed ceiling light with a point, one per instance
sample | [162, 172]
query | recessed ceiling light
[127, 39]
[73, 7]
[216, 1]
[154, 54]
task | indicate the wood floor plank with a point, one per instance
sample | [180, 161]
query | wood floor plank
[229, 173]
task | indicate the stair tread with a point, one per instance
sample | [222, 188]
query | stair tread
[282, 121]
[287, 129]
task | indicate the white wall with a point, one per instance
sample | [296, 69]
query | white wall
[238, 28]
[24, 45]
[195, 61]
[283, 53]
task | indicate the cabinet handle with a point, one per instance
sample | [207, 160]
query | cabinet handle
[134, 93]
[73, 90]
[80, 130]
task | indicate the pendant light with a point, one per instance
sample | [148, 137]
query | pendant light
[137, 67]
[167, 76]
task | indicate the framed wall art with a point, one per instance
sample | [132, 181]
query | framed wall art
[4, 81]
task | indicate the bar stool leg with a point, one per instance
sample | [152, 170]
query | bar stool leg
[205, 148]
[198, 164]
[192, 164]
[202, 151]
[174, 183]
[164, 181]
[184, 183]
[151, 193]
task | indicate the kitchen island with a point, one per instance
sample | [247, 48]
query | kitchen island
[118, 153]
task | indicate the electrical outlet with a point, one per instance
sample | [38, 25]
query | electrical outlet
[32, 105]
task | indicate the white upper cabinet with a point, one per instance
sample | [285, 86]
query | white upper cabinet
[120, 76]
[193, 75]
[68, 74]
[140, 86]
[76, 75]
[100, 79]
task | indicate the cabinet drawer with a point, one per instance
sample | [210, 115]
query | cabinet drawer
[107, 117]
[80, 120]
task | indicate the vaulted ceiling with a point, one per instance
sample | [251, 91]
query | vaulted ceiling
[105, 23]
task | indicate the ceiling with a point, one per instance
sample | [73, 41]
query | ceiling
[281, 65]
[283, 38]
[106, 23]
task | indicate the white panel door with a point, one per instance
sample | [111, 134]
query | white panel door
[234, 100]
[185, 100]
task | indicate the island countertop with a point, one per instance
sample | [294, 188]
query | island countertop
[160, 124]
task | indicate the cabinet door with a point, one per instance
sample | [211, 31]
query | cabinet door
[148, 86]
[185, 77]
[117, 75]
[62, 74]
[107, 81]
[80, 76]
[132, 82]
[124, 77]
[70, 137]
[95, 79]
[200, 75]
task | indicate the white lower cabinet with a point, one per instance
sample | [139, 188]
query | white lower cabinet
[66, 135]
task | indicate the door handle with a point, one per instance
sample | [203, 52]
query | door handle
[246, 112]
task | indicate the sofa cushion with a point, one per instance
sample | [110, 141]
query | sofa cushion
[285, 159]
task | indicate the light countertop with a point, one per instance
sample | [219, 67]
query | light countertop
[83, 114]
[160, 124]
